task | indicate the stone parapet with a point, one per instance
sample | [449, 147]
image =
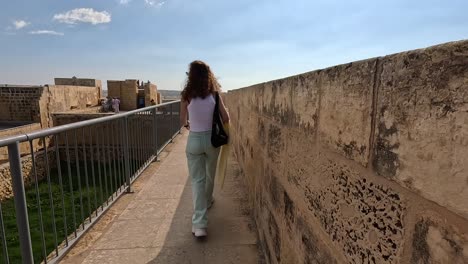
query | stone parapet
[363, 162]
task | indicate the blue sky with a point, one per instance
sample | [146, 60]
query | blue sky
[244, 41]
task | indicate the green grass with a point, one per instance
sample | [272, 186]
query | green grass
[97, 190]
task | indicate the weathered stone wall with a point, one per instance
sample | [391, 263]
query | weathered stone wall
[360, 163]
[62, 98]
[151, 93]
[68, 118]
[127, 91]
[140, 130]
[36, 103]
[78, 82]
[159, 100]
[20, 103]
[24, 147]
[6, 190]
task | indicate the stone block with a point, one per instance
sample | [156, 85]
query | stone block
[422, 123]
[305, 101]
[346, 108]
[364, 219]
[113, 88]
[77, 82]
[274, 100]
[318, 201]
[20, 103]
[151, 93]
[433, 242]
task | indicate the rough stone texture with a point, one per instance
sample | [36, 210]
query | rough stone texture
[65, 98]
[140, 133]
[159, 101]
[346, 104]
[434, 242]
[20, 103]
[151, 93]
[363, 218]
[24, 146]
[6, 190]
[113, 88]
[422, 138]
[305, 98]
[314, 147]
[127, 91]
[68, 118]
[37, 103]
[78, 82]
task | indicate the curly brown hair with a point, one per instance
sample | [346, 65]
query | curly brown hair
[201, 81]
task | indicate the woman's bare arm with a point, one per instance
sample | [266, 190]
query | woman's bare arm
[222, 109]
[183, 113]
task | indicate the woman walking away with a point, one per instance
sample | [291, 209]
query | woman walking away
[198, 100]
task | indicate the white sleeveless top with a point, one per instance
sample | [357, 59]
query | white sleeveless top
[201, 113]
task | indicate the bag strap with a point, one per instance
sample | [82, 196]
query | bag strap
[217, 98]
[217, 102]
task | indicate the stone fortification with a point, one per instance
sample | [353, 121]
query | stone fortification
[35, 104]
[20, 103]
[126, 90]
[151, 93]
[364, 162]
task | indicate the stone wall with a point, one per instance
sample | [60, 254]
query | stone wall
[68, 118]
[24, 147]
[6, 190]
[363, 162]
[36, 103]
[151, 93]
[20, 103]
[78, 82]
[159, 100]
[127, 91]
[64, 97]
[110, 135]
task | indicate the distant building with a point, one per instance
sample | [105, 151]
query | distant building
[133, 94]
[24, 109]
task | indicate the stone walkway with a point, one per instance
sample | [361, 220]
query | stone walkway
[155, 226]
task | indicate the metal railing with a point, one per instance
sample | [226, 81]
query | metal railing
[64, 178]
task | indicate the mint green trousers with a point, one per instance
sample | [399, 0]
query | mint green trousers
[201, 158]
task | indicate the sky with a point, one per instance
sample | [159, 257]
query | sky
[244, 41]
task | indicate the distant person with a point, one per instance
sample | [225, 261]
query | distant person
[116, 105]
[108, 104]
[198, 101]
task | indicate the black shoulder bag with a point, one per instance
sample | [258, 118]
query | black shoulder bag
[219, 137]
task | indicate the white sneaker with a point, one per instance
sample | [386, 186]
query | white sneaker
[199, 232]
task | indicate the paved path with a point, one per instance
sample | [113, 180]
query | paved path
[155, 226]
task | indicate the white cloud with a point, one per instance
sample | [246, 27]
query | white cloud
[85, 15]
[124, 2]
[19, 24]
[155, 3]
[46, 32]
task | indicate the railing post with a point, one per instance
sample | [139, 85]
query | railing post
[20, 203]
[127, 156]
[178, 119]
[171, 128]
[155, 129]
